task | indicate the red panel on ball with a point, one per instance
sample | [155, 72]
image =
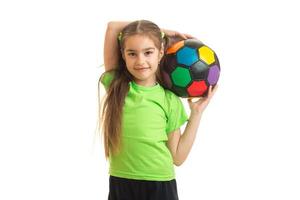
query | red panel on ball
[197, 88]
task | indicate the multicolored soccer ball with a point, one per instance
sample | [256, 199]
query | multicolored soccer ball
[189, 68]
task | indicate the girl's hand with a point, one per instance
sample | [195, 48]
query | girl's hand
[199, 106]
[175, 36]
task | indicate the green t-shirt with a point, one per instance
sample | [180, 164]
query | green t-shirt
[149, 114]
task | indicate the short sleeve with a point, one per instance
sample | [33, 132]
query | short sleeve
[107, 78]
[177, 115]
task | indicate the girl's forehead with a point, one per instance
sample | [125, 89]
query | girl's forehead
[138, 42]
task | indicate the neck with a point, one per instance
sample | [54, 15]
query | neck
[146, 83]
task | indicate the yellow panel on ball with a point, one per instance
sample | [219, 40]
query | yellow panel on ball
[206, 54]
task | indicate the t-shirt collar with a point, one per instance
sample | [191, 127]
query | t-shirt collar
[144, 88]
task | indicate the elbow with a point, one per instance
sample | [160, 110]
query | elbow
[178, 159]
[111, 24]
[178, 163]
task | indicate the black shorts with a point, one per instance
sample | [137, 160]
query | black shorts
[129, 189]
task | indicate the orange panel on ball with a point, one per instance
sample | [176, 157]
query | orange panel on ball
[175, 47]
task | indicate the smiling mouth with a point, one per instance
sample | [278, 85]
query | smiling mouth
[144, 68]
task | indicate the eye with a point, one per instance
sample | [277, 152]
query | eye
[131, 54]
[148, 53]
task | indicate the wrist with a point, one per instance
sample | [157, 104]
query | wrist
[117, 25]
[196, 114]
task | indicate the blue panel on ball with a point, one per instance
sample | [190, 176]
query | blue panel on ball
[187, 56]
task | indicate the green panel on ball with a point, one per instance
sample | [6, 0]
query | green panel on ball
[181, 76]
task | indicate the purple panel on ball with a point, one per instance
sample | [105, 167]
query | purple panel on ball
[213, 75]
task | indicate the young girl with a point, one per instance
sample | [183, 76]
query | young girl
[141, 120]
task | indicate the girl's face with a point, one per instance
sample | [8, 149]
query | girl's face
[142, 58]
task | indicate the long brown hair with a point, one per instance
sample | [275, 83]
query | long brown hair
[110, 119]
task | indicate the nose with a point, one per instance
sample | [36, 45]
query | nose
[140, 59]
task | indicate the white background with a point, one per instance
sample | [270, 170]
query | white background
[247, 145]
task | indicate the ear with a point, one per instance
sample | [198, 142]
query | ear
[161, 52]
[122, 54]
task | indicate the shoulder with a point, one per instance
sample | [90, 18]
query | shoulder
[176, 114]
[170, 96]
[172, 101]
[107, 77]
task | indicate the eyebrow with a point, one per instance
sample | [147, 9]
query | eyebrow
[146, 49]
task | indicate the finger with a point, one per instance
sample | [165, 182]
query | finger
[208, 96]
[212, 91]
[190, 36]
[195, 99]
[189, 100]
[209, 90]
[215, 89]
[200, 99]
[182, 35]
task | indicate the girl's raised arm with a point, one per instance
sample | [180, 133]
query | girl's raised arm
[111, 48]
